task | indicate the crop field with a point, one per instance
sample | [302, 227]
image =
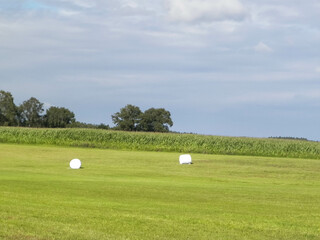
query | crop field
[164, 142]
[120, 194]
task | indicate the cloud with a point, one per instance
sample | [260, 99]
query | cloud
[96, 56]
[130, 3]
[277, 11]
[206, 10]
[81, 3]
[68, 13]
[276, 98]
[262, 48]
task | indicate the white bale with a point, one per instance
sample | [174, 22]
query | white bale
[185, 159]
[75, 163]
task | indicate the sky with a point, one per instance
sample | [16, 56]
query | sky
[223, 67]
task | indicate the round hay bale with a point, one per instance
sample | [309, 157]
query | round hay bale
[185, 159]
[75, 163]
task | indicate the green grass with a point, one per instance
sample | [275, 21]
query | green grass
[148, 195]
[168, 142]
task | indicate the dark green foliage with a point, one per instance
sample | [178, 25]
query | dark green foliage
[59, 117]
[155, 120]
[291, 138]
[30, 113]
[77, 124]
[102, 126]
[128, 118]
[8, 110]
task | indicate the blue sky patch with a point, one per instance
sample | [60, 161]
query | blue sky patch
[35, 5]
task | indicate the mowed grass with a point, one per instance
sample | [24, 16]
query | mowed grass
[148, 195]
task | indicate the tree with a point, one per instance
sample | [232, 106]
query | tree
[8, 110]
[155, 120]
[30, 113]
[128, 118]
[77, 124]
[59, 117]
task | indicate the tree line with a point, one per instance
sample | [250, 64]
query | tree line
[31, 113]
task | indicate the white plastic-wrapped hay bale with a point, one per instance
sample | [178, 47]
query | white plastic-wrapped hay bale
[75, 163]
[185, 159]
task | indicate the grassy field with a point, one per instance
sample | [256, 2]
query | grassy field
[148, 195]
[164, 142]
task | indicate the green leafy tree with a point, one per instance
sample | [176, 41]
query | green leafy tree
[30, 113]
[128, 118]
[8, 110]
[57, 117]
[155, 120]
